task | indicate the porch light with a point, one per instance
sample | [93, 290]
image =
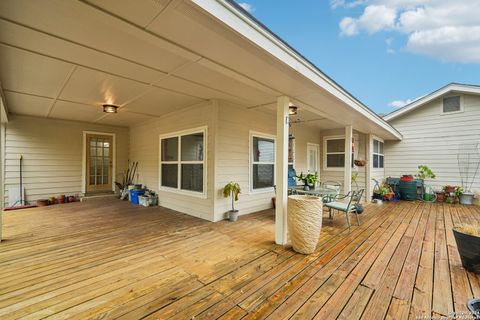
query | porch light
[292, 110]
[110, 108]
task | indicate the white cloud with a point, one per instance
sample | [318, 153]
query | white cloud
[444, 29]
[402, 103]
[247, 6]
[399, 103]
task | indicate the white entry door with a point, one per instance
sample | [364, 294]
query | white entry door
[313, 154]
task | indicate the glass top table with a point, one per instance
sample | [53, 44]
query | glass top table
[318, 191]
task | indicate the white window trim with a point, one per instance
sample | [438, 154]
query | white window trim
[178, 190]
[251, 162]
[373, 153]
[452, 112]
[324, 156]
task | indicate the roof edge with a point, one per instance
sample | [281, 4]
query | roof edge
[235, 9]
[453, 86]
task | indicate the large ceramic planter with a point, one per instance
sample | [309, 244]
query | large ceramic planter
[304, 222]
[469, 250]
[466, 198]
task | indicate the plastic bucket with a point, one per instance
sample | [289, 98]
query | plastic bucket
[134, 193]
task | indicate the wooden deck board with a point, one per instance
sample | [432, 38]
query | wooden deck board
[113, 260]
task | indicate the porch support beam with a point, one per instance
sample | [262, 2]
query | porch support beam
[347, 178]
[368, 168]
[281, 160]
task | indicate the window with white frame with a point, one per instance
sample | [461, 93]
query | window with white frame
[334, 152]
[262, 162]
[378, 155]
[451, 104]
[182, 161]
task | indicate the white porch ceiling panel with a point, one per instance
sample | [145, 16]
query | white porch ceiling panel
[151, 56]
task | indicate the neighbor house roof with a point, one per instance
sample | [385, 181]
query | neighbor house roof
[452, 87]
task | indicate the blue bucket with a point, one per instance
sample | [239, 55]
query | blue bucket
[134, 193]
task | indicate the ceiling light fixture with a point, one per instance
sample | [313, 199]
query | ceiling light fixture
[110, 108]
[292, 110]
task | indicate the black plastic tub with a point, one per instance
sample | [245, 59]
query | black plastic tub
[474, 307]
[469, 250]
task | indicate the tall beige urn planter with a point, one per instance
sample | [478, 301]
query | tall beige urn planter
[304, 222]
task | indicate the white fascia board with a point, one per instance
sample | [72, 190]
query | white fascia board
[454, 87]
[238, 21]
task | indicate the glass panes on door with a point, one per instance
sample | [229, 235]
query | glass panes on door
[99, 160]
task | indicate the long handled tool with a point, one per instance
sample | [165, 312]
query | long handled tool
[20, 203]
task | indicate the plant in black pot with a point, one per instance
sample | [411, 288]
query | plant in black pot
[468, 243]
[309, 180]
[232, 189]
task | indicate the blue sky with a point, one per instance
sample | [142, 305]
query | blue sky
[384, 52]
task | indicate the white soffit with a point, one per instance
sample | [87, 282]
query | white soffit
[80, 112]
[25, 72]
[25, 104]
[94, 87]
[157, 102]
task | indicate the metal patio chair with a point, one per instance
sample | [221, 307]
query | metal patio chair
[354, 198]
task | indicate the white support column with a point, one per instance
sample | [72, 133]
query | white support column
[281, 161]
[347, 179]
[368, 168]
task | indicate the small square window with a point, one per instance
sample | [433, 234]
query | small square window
[451, 104]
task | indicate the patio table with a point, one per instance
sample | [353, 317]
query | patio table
[318, 191]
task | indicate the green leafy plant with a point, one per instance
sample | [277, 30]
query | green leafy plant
[308, 179]
[232, 189]
[424, 172]
[458, 191]
[383, 190]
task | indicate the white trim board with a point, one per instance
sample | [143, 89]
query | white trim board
[84, 158]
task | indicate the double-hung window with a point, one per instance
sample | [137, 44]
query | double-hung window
[262, 162]
[334, 152]
[182, 161]
[378, 155]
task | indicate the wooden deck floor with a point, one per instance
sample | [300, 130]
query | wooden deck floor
[115, 261]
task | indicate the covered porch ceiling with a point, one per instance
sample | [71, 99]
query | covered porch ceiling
[64, 59]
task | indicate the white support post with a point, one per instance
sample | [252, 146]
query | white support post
[347, 179]
[368, 168]
[281, 160]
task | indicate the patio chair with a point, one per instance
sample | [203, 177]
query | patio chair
[331, 185]
[348, 207]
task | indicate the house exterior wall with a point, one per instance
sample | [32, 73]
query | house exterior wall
[145, 148]
[235, 124]
[360, 154]
[53, 155]
[433, 139]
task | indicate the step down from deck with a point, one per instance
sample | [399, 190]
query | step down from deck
[98, 196]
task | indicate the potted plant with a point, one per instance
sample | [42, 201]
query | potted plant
[468, 244]
[424, 172]
[309, 180]
[360, 163]
[440, 194]
[232, 189]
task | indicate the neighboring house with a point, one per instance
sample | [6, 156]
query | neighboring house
[435, 128]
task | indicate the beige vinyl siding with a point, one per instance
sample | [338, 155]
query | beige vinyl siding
[145, 148]
[433, 139]
[52, 151]
[360, 154]
[234, 125]
[233, 156]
